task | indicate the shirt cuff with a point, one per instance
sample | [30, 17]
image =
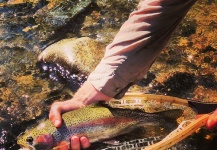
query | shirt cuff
[106, 80]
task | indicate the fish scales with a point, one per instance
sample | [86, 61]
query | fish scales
[73, 124]
[97, 122]
[102, 128]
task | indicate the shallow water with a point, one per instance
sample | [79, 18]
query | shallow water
[186, 68]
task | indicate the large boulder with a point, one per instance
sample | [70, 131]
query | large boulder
[79, 55]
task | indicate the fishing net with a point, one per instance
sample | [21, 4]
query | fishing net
[154, 103]
[157, 103]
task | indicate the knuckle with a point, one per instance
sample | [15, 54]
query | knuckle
[55, 106]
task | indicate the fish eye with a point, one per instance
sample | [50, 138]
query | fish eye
[29, 139]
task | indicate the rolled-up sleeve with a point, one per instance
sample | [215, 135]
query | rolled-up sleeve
[135, 47]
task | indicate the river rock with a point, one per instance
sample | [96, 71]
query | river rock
[24, 93]
[59, 12]
[76, 55]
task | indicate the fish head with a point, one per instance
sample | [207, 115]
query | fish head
[34, 142]
[37, 138]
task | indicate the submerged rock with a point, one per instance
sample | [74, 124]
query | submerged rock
[79, 56]
[24, 94]
[58, 12]
[70, 61]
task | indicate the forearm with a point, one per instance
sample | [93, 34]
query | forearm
[137, 44]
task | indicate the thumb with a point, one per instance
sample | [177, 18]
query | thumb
[55, 114]
[212, 121]
[60, 107]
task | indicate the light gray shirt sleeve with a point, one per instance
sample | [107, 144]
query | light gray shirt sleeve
[135, 47]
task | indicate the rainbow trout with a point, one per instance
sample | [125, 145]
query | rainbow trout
[97, 122]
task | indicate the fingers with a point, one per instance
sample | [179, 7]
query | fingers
[77, 143]
[60, 107]
[85, 143]
[212, 121]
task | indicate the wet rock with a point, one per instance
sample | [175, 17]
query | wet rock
[58, 13]
[60, 74]
[79, 56]
[13, 2]
[22, 93]
[204, 94]
[106, 18]
[69, 61]
[177, 84]
[43, 23]
[15, 18]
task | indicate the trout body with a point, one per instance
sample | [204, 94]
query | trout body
[95, 122]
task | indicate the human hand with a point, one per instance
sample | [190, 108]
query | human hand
[212, 120]
[77, 143]
[86, 95]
